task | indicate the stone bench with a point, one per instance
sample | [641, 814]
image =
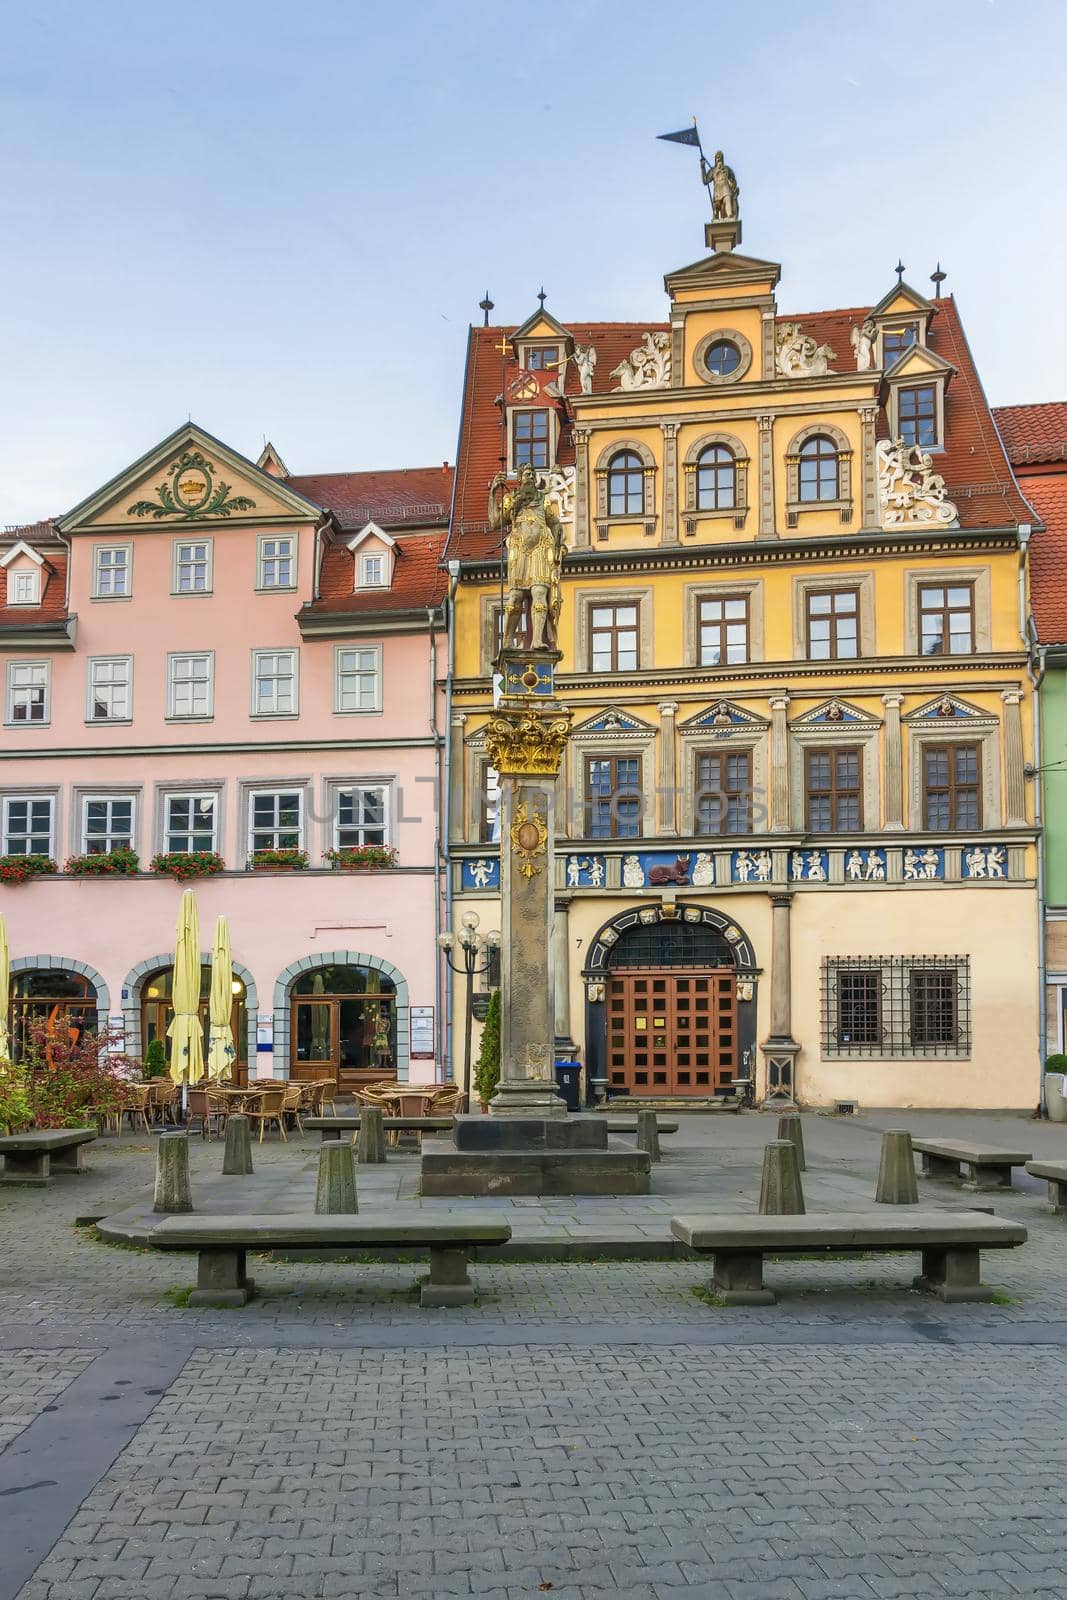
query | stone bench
[223, 1241]
[333, 1127]
[1055, 1172]
[33, 1157]
[980, 1166]
[949, 1242]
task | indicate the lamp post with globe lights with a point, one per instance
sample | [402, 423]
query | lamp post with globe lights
[475, 954]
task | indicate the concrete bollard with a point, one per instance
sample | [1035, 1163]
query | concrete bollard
[896, 1170]
[173, 1192]
[780, 1192]
[237, 1156]
[648, 1134]
[791, 1128]
[371, 1137]
[335, 1191]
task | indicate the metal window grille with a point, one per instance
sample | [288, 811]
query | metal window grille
[677, 944]
[876, 1007]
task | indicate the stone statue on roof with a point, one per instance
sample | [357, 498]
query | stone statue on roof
[534, 537]
[722, 186]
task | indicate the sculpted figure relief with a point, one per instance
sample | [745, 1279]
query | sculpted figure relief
[535, 557]
[798, 356]
[647, 367]
[862, 341]
[909, 490]
[722, 186]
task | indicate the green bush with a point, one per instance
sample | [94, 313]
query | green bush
[1056, 1063]
[487, 1070]
[15, 1109]
[154, 1064]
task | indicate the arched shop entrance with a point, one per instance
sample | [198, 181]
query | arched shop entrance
[157, 1012]
[343, 1025]
[58, 997]
[670, 1003]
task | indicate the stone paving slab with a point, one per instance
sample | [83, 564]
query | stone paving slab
[30, 1381]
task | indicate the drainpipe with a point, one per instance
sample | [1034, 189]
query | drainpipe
[445, 1046]
[435, 730]
[1036, 679]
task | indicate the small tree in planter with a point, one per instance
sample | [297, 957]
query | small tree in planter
[16, 869]
[184, 864]
[122, 863]
[487, 1067]
[154, 1062]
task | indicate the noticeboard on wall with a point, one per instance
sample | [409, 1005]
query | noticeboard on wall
[422, 1040]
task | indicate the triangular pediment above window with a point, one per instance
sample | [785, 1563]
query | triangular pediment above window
[725, 267]
[917, 361]
[189, 480]
[902, 301]
[270, 462]
[836, 714]
[374, 556]
[371, 531]
[947, 709]
[20, 549]
[542, 325]
[722, 717]
[613, 722]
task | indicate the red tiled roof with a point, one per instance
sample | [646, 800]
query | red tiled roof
[1034, 433]
[1047, 491]
[401, 497]
[53, 606]
[419, 580]
[973, 464]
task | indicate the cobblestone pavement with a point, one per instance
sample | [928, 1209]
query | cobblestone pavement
[585, 1430]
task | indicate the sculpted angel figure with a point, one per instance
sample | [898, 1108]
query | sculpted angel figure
[722, 186]
[862, 340]
[535, 557]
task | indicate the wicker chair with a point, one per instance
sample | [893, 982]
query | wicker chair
[205, 1104]
[135, 1106]
[164, 1100]
[270, 1107]
[292, 1105]
[327, 1095]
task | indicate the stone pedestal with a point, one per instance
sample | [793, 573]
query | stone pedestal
[173, 1191]
[371, 1144]
[780, 1191]
[237, 1156]
[336, 1188]
[897, 1184]
[648, 1134]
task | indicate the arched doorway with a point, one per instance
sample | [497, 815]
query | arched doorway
[54, 996]
[157, 1012]
[670, 1003]
[343, 1025]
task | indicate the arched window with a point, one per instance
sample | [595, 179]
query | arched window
[157, 1013]
[53, 998]
[716, 479]
[343, 1025]
[626, 485]
[819, 475]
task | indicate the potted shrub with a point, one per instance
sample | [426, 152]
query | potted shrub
[1055, 1073]
[154, 1063]
[362, 857]
[278, 860]
[487, 1069]
[122, 863]
[184, 864]
[16, 869]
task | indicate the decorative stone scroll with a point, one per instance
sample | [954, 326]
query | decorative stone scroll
[909, 490]
[798, 356]
[647, 367]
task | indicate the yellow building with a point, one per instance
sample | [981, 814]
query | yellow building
[796, 837]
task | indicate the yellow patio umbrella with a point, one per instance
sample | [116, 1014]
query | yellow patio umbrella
[185, 1033]
[220, 1050]
[5, 985]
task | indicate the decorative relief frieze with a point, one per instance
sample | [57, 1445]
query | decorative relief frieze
[909, 490]
[647, 367]
[798, 356]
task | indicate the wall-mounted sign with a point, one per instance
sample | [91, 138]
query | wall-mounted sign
[422, 1033]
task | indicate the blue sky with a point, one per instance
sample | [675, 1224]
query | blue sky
[280, 218]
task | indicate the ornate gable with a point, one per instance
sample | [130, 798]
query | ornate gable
[723, 717]
[190, 479]
[836, 714]
[613, 723]
[949, 708]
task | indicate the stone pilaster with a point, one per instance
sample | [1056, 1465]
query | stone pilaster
[677, 352]
[1014, 776]
[581, 488]
[780, 1049]
[780, 817]
[769, 345]
[668, 768]
[767, 529]
[868, 472]
[894, 762]
[457, 821]
[670, 482]
[561, 967]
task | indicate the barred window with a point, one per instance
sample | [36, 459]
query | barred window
[879, 1007]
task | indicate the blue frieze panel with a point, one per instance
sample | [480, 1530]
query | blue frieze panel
[809, 866]
[586, 872]
[984, 861]
[481, 873]
[923, 863]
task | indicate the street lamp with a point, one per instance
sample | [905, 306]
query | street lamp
[475, 956]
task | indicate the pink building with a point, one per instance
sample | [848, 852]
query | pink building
[211, 655]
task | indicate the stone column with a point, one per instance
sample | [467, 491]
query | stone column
[561, 972]
[668, 769]
[1014, 777]
[894, 762]
[670, 482]
[780, 809]
[767, 529]
[457, 819]
[581, 488]
[868, 477]
[780, 1048]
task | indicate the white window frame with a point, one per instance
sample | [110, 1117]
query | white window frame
[212, 796]
[108, 661]
[262, 558]
[110, 800]
[173, 714]
[177, 563]
[33, 597]
[14, 667]
[27, 833]
[366, 557]
[100, 549]
[285, 650]
[361, 786]
[277, 789]
[359, 673]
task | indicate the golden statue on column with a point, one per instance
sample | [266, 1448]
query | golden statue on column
[535, 558]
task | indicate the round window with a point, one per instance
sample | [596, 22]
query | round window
[722, 358]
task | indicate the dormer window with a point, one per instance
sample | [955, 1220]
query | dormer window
[530, 433]
[897, 339]
[541, 358]
[373, 553]
[24, 588]
[917, 415]
[372, 570]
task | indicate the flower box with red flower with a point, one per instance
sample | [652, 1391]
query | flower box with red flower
[181, 865]
[362, 857]
[278, 860]
[20, 868]
[121, 863]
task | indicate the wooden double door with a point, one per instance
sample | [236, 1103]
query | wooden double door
[672, 1031]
